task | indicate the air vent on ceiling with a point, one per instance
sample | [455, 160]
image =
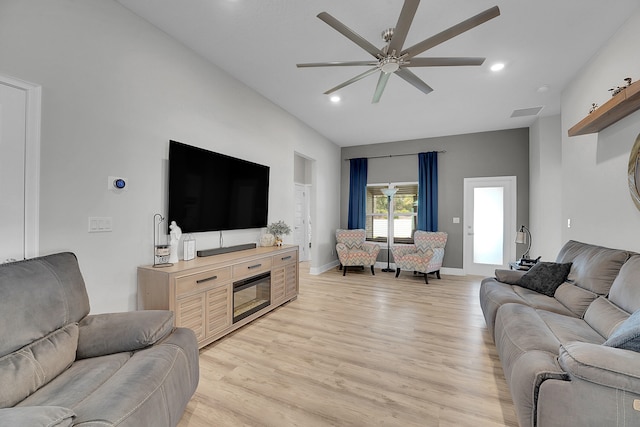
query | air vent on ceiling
[524, 112]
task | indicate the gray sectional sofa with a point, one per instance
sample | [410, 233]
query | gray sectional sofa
[60, 366]
[571, 358]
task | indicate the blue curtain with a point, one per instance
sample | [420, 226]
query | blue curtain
[358, 194]
[428, 191]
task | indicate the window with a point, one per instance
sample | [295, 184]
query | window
[403, 209]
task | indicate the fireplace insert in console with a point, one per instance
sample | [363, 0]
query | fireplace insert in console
[251, 295]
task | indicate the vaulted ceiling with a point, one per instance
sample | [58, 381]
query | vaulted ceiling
[542, 43]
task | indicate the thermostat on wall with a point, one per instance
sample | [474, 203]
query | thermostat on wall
[117, 183]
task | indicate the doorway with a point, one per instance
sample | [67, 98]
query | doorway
[19, 168]
[489, 224]
[303, 205]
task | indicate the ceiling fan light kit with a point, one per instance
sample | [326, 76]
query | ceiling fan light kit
[392, 59]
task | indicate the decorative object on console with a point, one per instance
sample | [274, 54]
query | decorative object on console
[278, 229]
[189, 248]
[267, 239]
[593, 108]
[161, 252]
[175, 235]
[389, 192]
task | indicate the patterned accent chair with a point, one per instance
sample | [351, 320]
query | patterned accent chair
[353, 250]
[424, 256]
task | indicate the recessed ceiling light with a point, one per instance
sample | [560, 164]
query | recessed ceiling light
[335, 99]
[497, 66]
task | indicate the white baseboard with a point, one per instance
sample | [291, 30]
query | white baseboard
[452, 271]
[314, 271]
[380, 265]
[443, 270]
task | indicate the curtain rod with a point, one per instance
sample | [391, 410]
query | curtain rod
[390, 155]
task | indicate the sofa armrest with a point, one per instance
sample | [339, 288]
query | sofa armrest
[607, 366]
[511, 277]
[371, 248]
[36, 416]
[103, 334]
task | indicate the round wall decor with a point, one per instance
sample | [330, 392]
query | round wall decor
[634, 172]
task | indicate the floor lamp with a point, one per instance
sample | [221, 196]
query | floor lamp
[389, 192]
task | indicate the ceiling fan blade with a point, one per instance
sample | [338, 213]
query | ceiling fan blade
[353, 80]
[404, 23]
[382, 83]
[443, 62]
[452, 32]
[411, 78]
[350, 34]
[338, 64]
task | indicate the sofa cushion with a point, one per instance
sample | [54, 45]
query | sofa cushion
[35, 365]
[604, 317]
[38, 416]
[82, 379]
[575, 298]
[627, 336]
[594, 267]
[567, 328]
[625, 291]
[545, 277]
[39, 296]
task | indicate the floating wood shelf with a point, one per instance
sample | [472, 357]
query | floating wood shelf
[618, 107]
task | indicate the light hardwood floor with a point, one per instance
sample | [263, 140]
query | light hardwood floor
[359, 350]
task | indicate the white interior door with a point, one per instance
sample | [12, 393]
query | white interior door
[19, 168]
[13, 103]
[489, 224]
[301, 231]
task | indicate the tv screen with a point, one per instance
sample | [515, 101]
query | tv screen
[210, 191]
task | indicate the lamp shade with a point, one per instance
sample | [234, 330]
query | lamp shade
[521, 237]
[389, 192]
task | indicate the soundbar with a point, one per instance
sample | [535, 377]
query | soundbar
[225, 250]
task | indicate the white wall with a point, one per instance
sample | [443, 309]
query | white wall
[595, 194]
[115, 90]
[545, 188]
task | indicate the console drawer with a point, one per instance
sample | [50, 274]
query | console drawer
[285, 258]
[251, 268]
[205, 279]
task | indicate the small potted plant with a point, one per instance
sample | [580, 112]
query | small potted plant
[278, 229]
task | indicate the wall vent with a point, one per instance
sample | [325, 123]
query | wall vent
[524, 112]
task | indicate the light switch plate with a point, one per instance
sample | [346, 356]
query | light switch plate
[101, 224]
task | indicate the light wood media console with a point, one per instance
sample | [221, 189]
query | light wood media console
[200, 291]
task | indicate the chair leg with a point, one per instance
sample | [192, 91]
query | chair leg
[426, 279]
[438, 274]
[373, 273]
[397, 272]
[344, 270]
[340, 268]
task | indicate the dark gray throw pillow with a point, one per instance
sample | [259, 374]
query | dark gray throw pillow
[627, 336]
[545, 277]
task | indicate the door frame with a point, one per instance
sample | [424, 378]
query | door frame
[510, 221]
[32, 162]
[307, 213]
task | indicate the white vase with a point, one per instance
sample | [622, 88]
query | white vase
[267, 239]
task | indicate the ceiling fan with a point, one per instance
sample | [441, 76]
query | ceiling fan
[392, 58]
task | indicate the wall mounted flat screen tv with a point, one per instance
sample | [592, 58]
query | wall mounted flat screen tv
[209, 191]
